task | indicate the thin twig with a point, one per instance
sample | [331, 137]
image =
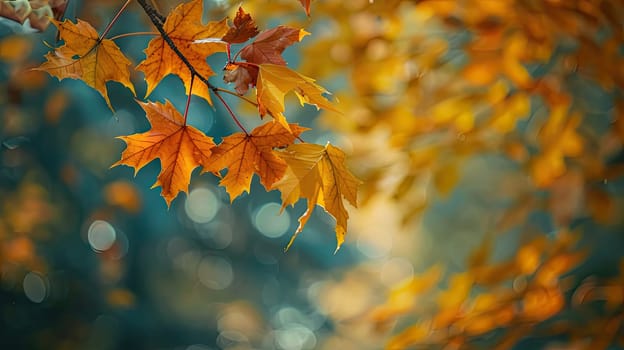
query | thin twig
[237, 95]
[112, 22]
[132, 34]
[231, 112]
[188, 100]
[108, 27]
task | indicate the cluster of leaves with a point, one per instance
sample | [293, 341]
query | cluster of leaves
[435, 85]
[316, 173]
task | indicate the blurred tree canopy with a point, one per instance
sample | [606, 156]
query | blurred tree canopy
[488, 136]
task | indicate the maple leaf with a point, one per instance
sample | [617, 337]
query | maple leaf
[319, 175]
[244, 28]
[184, 27]
[269, 45]
[243, 155]
[267, 48]
[306, 6]
[86, 58]
[275, 81]
[180, 147]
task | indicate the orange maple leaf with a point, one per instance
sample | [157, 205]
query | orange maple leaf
[275, 81]
[243, 29]
[269, 45]
[319, 175]
[180, 147]
[184, 26]
[245, 155]
[97, 61]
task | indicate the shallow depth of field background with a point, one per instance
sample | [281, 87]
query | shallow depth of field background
[482, 222]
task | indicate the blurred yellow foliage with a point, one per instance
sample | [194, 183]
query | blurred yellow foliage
[432, 85]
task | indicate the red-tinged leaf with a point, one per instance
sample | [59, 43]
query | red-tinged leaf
[181, 148]
[244, 28]
[243, 155]
[269, 45]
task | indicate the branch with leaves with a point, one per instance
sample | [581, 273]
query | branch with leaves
[314, 172]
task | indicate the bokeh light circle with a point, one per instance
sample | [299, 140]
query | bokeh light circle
[270, 222]
[35, 287]
[101, 235]
[295, 337]
[215, 272]
[202, 205]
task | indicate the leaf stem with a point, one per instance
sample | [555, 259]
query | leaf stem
[240, 126]
[188, 100]
[247, 64]
[108, 28]
[132, 34]
[237, 95]
[114, 20]
[233, 60]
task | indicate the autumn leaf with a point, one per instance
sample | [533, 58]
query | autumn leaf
[269, 45]
[267, 48]
[86, 58]
[185, 29]
[275, 81]
[319, 175]
[306, 6]
[243, 155]
[244, 28]
[180, 147]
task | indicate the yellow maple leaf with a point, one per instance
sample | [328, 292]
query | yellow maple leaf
[319, 175]
[86, 58]
[243, 155]
[275, 81]
[181, 148]
[184, 26]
